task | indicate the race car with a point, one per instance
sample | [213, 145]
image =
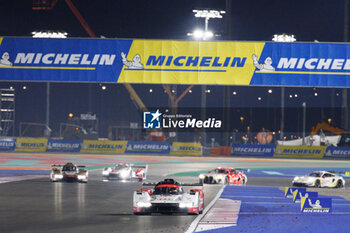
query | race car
[319, 179]
[224, 176]
[124, 171]
[69, 172]
[168, 196]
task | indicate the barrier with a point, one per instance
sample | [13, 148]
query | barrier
[186, 148]
[299, 152]
[253, 150]
[337, 152]
[94, 146]
[148, 147]
[31, 144]
[7, 144]
[64, 145]
[316, 205]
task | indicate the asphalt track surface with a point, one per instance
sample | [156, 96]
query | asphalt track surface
[37, 205]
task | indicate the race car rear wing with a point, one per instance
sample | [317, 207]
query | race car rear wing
[139, 166]
[182, 184]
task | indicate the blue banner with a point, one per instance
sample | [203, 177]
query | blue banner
[316, 205]
[289, 191]
[337, 152]
[7, 144]
[64, 145]
[298, 194]
[253, 150]
[148, 147]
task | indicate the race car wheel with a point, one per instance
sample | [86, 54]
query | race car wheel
[339, 184]
[317, 184]
[201, 211]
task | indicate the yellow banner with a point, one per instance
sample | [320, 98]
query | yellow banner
[190, 62]
[112, 147]
[186, 148]
[299, 151]
[31, 144]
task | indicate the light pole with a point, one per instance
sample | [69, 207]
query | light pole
[205, 35]
[206, 14]
[283, 38]
[48, 34]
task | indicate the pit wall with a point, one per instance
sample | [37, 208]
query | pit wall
[95, 146]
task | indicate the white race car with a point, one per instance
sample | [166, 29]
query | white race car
[124, 171]
[69, 172]
[168, 196]
[320, 179]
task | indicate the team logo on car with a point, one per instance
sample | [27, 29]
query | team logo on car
[152, 120]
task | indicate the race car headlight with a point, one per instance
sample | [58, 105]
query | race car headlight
[201, 176]
[185, 205]
[58, 176]
[105, 172]
[144, 204]
[80, 177]
[124, 174]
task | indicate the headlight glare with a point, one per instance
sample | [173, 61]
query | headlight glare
[144, 204]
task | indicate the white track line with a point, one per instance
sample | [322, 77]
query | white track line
[20, 178]
[195, 222]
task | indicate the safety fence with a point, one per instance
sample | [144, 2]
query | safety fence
[98, 146]
[171, 148]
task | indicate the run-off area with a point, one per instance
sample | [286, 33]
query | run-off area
[265, 209]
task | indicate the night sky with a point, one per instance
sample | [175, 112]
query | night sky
[250, 20]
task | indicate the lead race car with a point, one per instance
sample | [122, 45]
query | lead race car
[69, 172]
[224, 176]
[168, 196]
[320, 179]
[123, 171]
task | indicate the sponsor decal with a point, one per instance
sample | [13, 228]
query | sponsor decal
[94, 146]
[186, 148]
[299, 151]
[316, 205]
[148, 147]
[31, 144]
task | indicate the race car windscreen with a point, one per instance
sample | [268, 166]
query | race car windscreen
[167, 191]
[120, 166]
[221, 171]
[69, 168]
[315, 174]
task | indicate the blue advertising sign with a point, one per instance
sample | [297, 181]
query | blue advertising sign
[63, 145]
[298, 194]
[253, 150]
[7, 144]
[337, 152]
[289, 191]
[316, 205]
[148, 147]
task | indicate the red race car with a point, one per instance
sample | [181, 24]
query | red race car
[224, 176]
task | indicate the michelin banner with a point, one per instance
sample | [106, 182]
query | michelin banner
[337, 152]
[63, 145]
[175, 62]
[31, 144]
[109, 147]
[299, 152]
[253, 150]
[316, 205]
[7, 144]
[148, 147]
[186, 148]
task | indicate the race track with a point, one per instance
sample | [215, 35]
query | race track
[37, 205]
